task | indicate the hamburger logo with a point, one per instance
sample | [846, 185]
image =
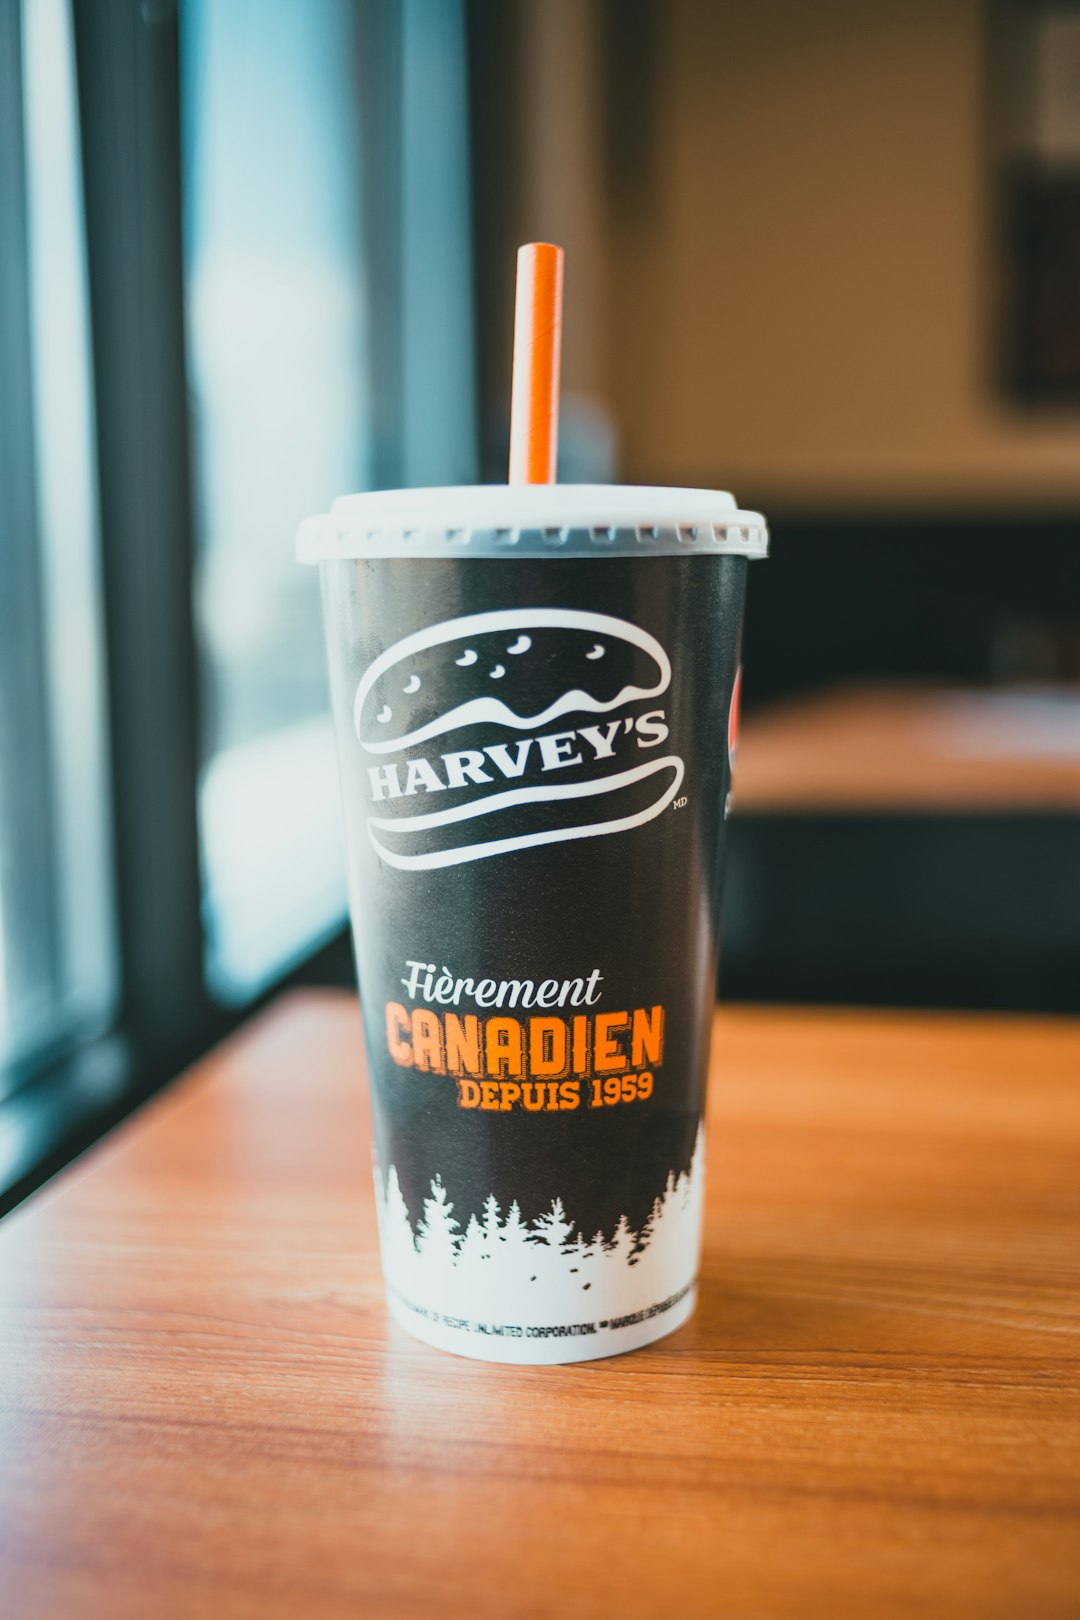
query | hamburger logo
[505, 730]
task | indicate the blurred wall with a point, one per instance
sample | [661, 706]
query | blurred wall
[793, 293]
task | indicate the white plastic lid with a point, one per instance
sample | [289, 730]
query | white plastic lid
[532, 520]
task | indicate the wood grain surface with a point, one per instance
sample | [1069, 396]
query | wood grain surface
[929, 749]
[204, 1410]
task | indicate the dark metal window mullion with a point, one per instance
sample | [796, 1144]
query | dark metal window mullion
[378, 76]
[127, 66]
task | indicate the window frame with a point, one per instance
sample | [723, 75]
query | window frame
[127, 69]
[127, 63]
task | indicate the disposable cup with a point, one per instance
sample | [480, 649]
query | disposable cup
[535, 695]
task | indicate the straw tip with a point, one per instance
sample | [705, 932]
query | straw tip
[540, 250]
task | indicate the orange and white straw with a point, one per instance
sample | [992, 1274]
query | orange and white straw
[534, 400]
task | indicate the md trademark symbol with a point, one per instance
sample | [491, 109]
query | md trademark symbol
[679, 804]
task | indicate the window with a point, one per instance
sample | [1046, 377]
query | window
[57, 957]
[235, 282]
[317, 226]
[280, 393]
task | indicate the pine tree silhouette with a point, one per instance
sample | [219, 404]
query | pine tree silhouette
[648, 1231]
[491, 1229]
[622, 1242]
[397, 1213]
[578, 1251]
[473, 1245]
[552, 1227]
[516, 1253]
[514, 1230]
[435, 1232]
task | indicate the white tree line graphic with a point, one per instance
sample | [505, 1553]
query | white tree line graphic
[504, 1267]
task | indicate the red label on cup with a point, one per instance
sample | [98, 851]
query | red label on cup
[733, 718]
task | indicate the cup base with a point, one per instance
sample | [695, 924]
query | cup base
[540, 1347]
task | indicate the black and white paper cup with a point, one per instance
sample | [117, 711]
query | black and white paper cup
[535, 693]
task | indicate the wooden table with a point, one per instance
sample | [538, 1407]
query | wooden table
[204, 1410]
[908, 748]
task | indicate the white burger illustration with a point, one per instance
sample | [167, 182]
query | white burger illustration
[503, 730]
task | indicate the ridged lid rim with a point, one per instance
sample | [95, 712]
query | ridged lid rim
[501, 520]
